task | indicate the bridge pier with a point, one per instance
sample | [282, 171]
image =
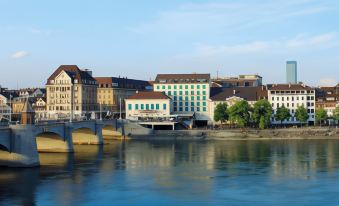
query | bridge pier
[23, 150]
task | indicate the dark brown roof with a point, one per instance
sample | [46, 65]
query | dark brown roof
[149, 95]
[120, 82]
[74, 72]
[182, 78]
[290, 87]
[247, 93]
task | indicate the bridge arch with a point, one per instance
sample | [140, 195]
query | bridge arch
[110, 132]
[4, 148]
[85, 135]
[53, 142]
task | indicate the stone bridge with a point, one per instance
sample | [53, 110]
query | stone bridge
[20, 144]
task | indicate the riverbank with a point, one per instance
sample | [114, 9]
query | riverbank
[241, 134]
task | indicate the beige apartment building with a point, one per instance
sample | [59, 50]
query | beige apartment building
[71, 92]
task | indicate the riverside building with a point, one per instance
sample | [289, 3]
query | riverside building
[71, 93]
[189, 93]
[112, 92]
[240, 81]
[291, 96]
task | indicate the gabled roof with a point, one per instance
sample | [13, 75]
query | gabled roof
[74, 72]
[149, 95]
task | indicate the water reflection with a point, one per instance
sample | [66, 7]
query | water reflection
[178, 173]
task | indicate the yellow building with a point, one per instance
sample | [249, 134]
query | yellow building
[112, 89]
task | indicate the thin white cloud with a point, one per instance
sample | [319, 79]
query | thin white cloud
[327, 82]
[300, 42]
[19, 54]
[223, 17]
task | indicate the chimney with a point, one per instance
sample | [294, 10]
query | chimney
[233, 91]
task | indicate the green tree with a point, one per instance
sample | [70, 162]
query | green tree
[282, 114]
[262, 113]
[220, 113]
[240, 113]
[320, 115]
[336, 114]
[301, 114]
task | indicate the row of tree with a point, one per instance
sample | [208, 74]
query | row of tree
[242, 114]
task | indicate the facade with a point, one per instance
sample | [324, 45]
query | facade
[234, 95]
[112, 89]
[291, 96]
[291, 72]
[71, 92]
[148, 105]
[39, 107]
[189, 92]
[327, 98]
[240, 81]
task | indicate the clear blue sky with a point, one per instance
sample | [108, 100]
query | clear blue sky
[139, 39]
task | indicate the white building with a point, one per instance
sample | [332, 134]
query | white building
[143, 105]
[292, 96]
[189, 92]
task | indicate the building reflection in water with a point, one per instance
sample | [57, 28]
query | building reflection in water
[172, 168]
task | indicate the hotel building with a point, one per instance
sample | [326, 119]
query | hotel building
[189, 92]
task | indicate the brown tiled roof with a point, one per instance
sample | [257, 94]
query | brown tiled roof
[149, 95]
[73, 71]
[182, 78]
[247, 93]
[290, 87]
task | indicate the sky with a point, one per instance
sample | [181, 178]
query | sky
[139, 39]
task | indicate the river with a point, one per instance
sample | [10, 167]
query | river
[279, 172]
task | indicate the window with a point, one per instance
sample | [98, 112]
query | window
[198, 86]
[204, 104]
[192, 98]
[175, 86]
[192, 86]
[204, 109]
[136, 106]
[186, 86]
[180, 87]
[180, 93]
[129, 106]
[186, 109]
[186, 104]
[186, 92]
[198, 92]
[169, 93]
[192, 92]
[198, 104]
[142, 106]
[175, 92]
[169, 87]
[158, 87]
[163, 87]
[204, 98]
[147, 106]
[164, 106]
[192, 104]
[152, 106]
[198, 98]
[186, 98]
[204, 86]
[175, 98]
[157, 106]
[204, 92]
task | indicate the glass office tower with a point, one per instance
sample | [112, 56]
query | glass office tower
[291, 72]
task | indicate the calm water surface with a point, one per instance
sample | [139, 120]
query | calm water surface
[296, 172]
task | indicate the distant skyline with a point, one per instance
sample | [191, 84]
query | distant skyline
[139, 39]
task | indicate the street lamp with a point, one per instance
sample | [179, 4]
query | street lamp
[120, 107]
[100, 105]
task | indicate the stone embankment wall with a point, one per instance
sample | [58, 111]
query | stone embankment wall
[239, 134]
